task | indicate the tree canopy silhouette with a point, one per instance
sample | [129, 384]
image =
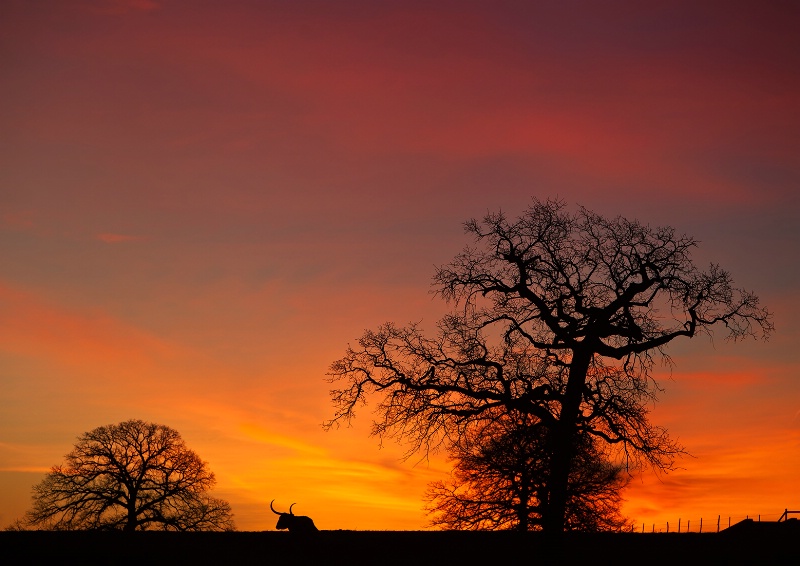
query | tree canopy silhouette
[558, 315]
[130, 476]
[500, 481]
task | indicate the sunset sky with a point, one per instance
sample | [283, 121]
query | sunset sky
[202, 203]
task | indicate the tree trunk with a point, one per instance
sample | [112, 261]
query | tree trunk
[130, 524]
[554, 519]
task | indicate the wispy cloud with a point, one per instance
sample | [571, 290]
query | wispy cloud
[111, 238]
[120, 7]
[18, 221]
[26, 469]
[261, 434]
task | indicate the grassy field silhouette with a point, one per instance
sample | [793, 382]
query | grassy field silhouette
[749, 544]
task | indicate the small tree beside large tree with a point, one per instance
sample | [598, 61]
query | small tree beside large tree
[130, 476]
[500, 481]
[557, 315]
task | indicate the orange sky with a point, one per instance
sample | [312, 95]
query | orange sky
[202, 204]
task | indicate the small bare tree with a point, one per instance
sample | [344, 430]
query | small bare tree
[557, 315]
[500, 481]
[130, 476]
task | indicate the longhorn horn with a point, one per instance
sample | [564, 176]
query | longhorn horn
[273, 509]
[290, 508]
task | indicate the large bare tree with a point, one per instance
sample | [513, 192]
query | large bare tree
[556, 314]
[130, 476]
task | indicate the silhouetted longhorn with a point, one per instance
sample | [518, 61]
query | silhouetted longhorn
[295, 523]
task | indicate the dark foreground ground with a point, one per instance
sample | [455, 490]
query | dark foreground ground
[753, 545]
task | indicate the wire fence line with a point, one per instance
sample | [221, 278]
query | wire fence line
[710, 524]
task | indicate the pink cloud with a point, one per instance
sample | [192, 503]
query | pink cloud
[111, 238]
[18, 221]
[118, 7]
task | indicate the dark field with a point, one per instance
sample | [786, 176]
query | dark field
[745, 546]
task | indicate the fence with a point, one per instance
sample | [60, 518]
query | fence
[716, 524]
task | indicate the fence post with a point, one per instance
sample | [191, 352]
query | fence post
[667, 526]
[688, 525]
[718, 518]
[679, 524]
[701, 524]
